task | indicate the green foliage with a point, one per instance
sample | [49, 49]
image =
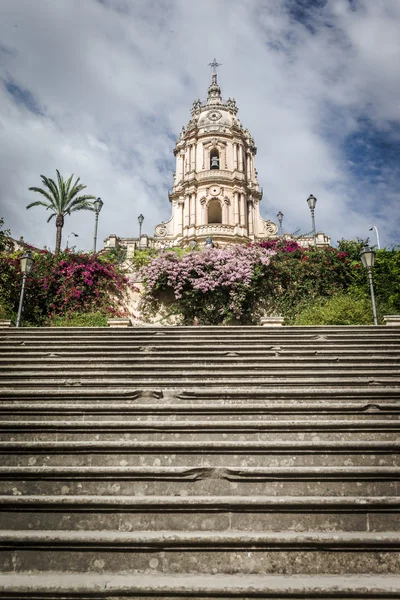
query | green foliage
[61, 199]
[298, 277]
[76, 319]
[340, 309]
[215, 286]
[60, 285]
[4, 234]
[143, 257]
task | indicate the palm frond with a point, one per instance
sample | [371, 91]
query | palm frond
[38, 203]
[68, 185]
[50, 184]
[76, 188]
[82, 202]
[51, 216]
[82, 207]
[44, 193]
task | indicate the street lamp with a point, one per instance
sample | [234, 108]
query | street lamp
[280, 219]
[312, 201]
[98, 205]
[140, 219]
[26, 262]
[368, 259]
[377, 235]
[69, 235]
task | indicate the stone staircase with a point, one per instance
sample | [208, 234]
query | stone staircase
[234, 462]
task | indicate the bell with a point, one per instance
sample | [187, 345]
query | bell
[214, 162]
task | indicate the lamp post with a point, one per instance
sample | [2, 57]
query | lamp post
[368, 259]
[140, 219]
[98, 205]
[26, 262]
[280, 219]
[377, 235]
[312, 201]
[69, 235]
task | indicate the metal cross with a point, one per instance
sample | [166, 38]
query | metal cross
[214, 65]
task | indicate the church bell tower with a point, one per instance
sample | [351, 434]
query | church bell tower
[215, 191]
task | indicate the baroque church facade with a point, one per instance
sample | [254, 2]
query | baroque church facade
[215, 191]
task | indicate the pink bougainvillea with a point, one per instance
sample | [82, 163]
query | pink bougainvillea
[214, 285]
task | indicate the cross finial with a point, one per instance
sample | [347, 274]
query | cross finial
[214, 64]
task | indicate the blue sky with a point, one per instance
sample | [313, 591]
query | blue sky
[102, 88]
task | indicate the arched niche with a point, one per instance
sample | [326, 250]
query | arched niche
[214, 212]
[214, 159]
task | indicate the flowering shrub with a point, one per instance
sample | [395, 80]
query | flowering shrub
[213, 285]
[62, 284]
[245, 282]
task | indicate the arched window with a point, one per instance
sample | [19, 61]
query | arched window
[214, 212]
[214, 159]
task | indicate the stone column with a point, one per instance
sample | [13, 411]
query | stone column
[204, 214]
[179, 217]
[183, 165]
[236, 208]
[187, 209]
[193, 209]
[193, 167]
[242, 211]
[225, 216]
[241, 168]
[251, 218]
[248, 165]
[235, 157]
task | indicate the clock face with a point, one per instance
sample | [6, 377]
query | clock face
[214, 115]
[214, 191]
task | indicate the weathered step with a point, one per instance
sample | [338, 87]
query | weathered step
[200, 453]
[228, 551]
[272, 360]
[171, 368]
[200, 481]
[60, 585]
[257, 353]
[114, 410]
[279, 384]
[100, 410]
[188, 513]
[72, 390]
[212, 426]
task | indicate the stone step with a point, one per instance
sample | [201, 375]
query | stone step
[314, 385]
[203, 551]
[116, 481]
[274, 410]
[273, 362]
[232, 367]
[217, 395]
[200, 453]
[179, 331]
[172, 426]
[61, 585]
[297, 352]
[180, 513]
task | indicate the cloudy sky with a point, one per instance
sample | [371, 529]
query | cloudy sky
[101, 88]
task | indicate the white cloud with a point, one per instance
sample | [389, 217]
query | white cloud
[113, 82]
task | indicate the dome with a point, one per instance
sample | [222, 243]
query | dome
[214, 115]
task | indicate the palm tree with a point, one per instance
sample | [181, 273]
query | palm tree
[62, 199]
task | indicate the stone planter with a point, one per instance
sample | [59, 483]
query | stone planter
[392, 320]
[272, 321]
[119, 322]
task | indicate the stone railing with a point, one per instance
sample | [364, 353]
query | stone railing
[215, 228]
[215, 174]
